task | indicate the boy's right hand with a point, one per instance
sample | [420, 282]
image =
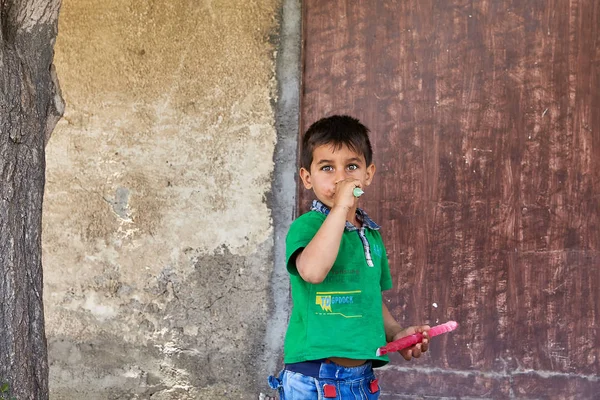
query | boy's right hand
[416, 350]
[344, 196]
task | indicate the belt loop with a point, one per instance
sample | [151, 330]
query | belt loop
[329, 391]
[276, 383]
[374, 386]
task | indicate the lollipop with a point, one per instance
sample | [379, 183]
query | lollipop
[410, 340]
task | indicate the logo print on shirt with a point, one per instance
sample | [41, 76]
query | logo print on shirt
[332, 302]
[377, 250]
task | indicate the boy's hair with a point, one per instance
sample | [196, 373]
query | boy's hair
[336, 130]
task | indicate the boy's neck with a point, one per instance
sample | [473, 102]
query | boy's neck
[352, 218]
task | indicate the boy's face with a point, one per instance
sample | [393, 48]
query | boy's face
[330, 166]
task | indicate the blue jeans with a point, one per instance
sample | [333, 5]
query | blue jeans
[334, 382]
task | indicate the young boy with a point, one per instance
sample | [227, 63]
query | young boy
[338, 268]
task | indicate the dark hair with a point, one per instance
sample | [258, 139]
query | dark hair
[337, 130]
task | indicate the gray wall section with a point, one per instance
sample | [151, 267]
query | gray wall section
[284, 178]
[170, 186]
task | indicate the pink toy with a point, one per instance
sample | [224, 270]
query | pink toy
[410, 340]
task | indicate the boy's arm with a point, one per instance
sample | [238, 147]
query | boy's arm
[393, 331]
[392, 328]
[316, 259]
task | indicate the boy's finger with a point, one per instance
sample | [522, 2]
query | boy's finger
[417, 351]
[425, 341]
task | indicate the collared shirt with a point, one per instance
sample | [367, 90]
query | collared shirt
[363, 218]
[341, 315]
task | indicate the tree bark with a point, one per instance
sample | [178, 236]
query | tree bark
[30, 107]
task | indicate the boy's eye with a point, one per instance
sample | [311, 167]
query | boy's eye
[352, 167]
[326, 168]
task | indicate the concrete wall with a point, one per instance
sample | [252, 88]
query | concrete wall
[158, 230]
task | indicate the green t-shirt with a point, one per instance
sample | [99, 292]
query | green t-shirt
[342, 316]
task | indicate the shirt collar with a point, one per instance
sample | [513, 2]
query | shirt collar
[362, 216]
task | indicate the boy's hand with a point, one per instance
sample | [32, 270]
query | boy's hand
[343, 196]
[419, 348]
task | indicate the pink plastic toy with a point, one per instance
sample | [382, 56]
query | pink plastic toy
[410, 340]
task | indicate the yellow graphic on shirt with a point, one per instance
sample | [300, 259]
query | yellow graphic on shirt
[324, 302]
[327, 300]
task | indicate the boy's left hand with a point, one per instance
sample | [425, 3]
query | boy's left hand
[419, 348]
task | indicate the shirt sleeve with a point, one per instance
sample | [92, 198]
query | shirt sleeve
[299, 236]
[386, 276]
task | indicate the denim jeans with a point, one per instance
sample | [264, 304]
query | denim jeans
[334, 382]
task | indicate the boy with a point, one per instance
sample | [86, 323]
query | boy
[338, 268]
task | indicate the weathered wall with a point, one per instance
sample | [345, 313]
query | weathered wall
[486, 136]
[158, 240]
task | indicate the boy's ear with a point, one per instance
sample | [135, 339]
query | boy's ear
[305, 176]
[370, 172]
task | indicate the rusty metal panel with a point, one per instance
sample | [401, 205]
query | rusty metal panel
[485, 120]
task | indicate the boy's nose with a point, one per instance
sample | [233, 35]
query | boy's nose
[340, 176]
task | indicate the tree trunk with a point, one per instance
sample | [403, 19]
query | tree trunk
[30, 107]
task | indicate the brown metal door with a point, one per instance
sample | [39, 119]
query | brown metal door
[485, 118]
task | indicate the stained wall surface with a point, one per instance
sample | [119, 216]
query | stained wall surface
[158, 240]
[486, 131]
